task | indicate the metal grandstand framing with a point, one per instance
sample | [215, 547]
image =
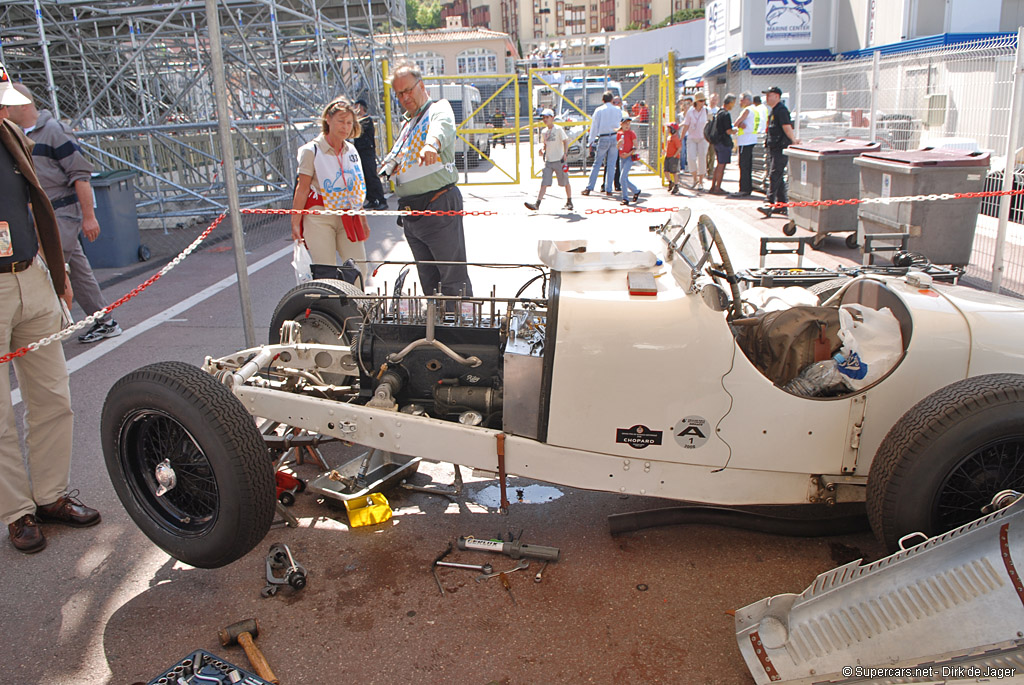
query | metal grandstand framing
[133, 78]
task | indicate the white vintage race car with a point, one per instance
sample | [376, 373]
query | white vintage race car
[625, 375]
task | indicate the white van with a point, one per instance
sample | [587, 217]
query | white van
[585, 95]
[465, 100]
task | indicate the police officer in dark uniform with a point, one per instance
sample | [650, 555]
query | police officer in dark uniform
[366, 146]
[779, 136]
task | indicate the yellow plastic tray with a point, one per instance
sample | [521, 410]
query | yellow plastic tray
[368, 510]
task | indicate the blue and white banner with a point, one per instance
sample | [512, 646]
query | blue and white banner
[788, 22]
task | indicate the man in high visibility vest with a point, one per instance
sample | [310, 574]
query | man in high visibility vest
[747, 126]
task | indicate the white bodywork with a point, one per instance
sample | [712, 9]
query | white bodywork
[668, 369]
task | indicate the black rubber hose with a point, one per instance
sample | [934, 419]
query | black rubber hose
[853, 521]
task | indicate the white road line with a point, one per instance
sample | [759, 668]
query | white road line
[111, 344]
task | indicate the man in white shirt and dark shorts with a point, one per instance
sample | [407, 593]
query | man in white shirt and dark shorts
[554, 146]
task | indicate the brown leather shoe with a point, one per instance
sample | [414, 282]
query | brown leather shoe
[26, 536]
[69, 511]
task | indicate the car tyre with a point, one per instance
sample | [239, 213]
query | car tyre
[222, 503]
[827, 289]
[329, 319]
[947, 457]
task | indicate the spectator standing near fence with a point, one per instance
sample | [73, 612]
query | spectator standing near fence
[746, 137]
[366, 145]
[65, 175]
[696, 146]
[601, 139]
[779, 136]
[712, 111]
[330, 176]
[626, 144]
[32, 277]
[723, 142]
[554, 146]
[422, 164]
[684, 105]
[617, 101]
[671, 161]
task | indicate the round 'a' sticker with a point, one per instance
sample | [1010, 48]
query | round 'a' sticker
[691, 432]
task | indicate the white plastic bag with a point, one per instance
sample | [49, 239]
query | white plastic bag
[872, 343]
[301, 262]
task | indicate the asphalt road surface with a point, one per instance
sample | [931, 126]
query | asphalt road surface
[103, 605]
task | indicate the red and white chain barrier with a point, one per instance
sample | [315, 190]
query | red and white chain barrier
[91, 319]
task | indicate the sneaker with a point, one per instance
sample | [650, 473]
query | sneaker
[624, 202]
[585, 191]
[674, 191]
[532, 206]
[101, 330]
[608, 193]
[568, 205]
[636, 196]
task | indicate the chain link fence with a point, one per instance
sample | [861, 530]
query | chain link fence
[957, 97]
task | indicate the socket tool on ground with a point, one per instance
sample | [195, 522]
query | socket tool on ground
[516, 550]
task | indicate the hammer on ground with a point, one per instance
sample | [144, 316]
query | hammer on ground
[244, 633]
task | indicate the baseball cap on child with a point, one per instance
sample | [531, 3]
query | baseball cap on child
[546, 112]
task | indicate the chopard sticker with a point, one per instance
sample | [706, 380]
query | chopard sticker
[691, 432]
[638, 437]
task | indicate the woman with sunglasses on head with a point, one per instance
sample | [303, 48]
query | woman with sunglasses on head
[330, 176]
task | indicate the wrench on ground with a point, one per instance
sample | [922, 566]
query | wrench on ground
[486, 568]
[523, 564]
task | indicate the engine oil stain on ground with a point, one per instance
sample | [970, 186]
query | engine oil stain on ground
[490, 496]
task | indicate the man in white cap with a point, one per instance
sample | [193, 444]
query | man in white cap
[32, 277]
[554, 146]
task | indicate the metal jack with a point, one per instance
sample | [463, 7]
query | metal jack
[293, 573]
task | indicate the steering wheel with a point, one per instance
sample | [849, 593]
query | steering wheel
[711, 240]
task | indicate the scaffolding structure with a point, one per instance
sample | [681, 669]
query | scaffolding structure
[133, 79]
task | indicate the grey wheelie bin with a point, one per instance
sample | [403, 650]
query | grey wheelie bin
[118, 242]
[941, 230]
[824, 170]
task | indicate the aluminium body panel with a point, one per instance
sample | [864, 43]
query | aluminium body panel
[956, 593]
[630, 371]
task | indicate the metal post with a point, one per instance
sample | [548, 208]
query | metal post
[228, 159]
[46, 62]
[516, 120]
[1011, 153]
[796, 99]
[283, 104]
[389, 133]
[873, 100]
[85, 66]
